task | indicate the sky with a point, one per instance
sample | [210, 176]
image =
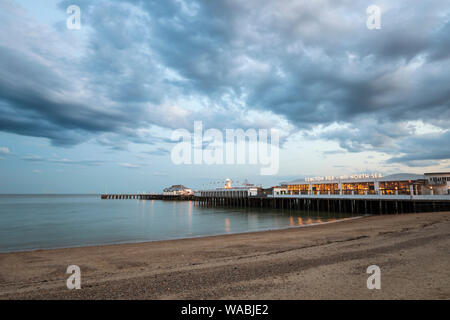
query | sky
[94, 109]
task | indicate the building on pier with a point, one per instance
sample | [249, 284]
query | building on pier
[400, 184]
[237, 192]
[177, 190]
[280, 190]
[247, 190]
[439, 182]
[396, 184]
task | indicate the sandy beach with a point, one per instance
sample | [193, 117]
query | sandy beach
[320, 262]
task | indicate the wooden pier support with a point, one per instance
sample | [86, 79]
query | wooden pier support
[330, 206]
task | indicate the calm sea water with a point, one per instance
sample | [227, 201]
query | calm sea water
[56, 221]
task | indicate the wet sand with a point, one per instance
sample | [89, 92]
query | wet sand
[320, 262]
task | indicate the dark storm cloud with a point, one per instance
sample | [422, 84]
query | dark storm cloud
[369, 135]
[312, 63]
[33, 102]
[427, 147]
[394, 138]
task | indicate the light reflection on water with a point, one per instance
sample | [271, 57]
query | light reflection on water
[32, 222]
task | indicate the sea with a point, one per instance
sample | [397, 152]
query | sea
[32, 222]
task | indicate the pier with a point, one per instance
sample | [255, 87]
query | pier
[355, 204]
[336, 204]
[368, 204]
[151, 196]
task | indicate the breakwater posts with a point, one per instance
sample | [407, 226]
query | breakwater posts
[356, 205]
[147, 197]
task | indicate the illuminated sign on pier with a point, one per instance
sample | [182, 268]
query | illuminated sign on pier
[352, 177]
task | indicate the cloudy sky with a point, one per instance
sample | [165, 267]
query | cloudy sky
[93, 110]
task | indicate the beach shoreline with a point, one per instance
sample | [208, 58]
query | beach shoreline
[326, 261]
